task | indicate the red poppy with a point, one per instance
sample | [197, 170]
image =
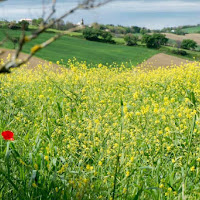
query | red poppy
[8, 135]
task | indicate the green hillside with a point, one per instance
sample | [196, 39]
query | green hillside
[195, 29]
[93, 52]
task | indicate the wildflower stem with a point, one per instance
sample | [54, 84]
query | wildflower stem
[119, 150]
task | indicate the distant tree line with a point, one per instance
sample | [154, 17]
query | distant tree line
[60, 25]
[120, 29]
[14, 25]
[110, 27]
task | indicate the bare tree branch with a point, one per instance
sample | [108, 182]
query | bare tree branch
[21, 44]
[52, 12]
[86, 4]
[14, 64]
[43, 9]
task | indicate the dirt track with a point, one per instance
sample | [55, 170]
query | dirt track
[193, 36]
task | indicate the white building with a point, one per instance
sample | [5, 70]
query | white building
[28, 20]
[80, 23]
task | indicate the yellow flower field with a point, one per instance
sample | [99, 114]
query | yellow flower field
[100, 133]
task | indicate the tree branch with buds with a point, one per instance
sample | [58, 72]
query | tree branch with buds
[86, 4]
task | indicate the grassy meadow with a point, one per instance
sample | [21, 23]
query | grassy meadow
[92, 52]
[100, 133]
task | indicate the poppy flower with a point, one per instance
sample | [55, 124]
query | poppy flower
[8, 135]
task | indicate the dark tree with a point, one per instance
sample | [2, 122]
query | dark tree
[154, 41]
[106, 36]
[130, 39]
[91, 34]
[97, 35]
[188, 44]
[24, 25]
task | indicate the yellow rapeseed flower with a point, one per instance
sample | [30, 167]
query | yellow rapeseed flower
[36, 166]
[192, 169]
[34, 185]
[46, 158]
[127, 173]
[161, 186]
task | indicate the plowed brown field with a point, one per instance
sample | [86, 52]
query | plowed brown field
[162, 60]
[193, 36]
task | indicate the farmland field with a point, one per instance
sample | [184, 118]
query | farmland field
[195, 37]
[92, 52]
[195, 29]
[100, 133]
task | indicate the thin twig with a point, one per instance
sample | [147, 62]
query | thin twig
[53, 10]
[119, 151]
[21, 44]
[87, 4]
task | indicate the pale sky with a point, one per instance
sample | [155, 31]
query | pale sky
[148, 13]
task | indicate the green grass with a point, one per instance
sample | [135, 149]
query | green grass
[92, 52]
[76, 34]
[119, 40]
[195, 29]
